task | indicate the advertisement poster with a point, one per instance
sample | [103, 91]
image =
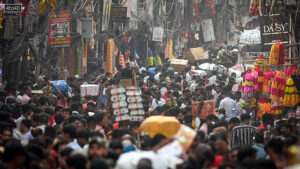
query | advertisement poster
[207, 108]
[158, 33]
[59, 29]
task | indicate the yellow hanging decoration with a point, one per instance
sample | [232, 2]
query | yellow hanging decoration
[53, 4]
[42, 6]
[158, 60]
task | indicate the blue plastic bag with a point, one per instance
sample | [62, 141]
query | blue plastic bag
[61, 85]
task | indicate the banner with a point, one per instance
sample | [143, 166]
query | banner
[60, 29]
[272, 28]
[158, 33]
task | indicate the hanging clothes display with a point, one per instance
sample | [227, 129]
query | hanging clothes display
[169, 49]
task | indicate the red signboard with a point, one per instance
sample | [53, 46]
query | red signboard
[59, 29]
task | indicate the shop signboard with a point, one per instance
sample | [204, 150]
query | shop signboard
[273, 28]
[118, 14]
[158, 33]
[59, 29]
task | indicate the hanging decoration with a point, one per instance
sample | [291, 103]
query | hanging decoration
[263, 107]
[260, 61]
[277, 92]
[258, 78]
[196, 9]
[122, 61]
[277, 56]
[169, 50]
[254, 7]
[291, 97]
[43, 5]
[247, 85]
[268, 76]
[110, 56]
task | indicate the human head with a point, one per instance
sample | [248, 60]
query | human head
[268, 119]
[274, 148]
[67, 113]
[234, 121]
[77, 106]
[59, 119]
[157, 95]
[14, 154]
[58, 110]
[245, 119]
[6, 133]
[27, 90]
[246, 153]
[44, 101]
[35, 120]
[69, 133]
[98, 163]
[25, 126]
[211, 118]
[144, 163]
[27, 110]
[19, 100]
[238, 95]
[76, 161]
[97, 148]
[83, 137]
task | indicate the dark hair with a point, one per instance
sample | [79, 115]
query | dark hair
[68, 110]
[211, 117]
[59, 119]
[70, 130]
[66, 152]
[222, 111]
[50, 132]
[259, 137]
[99, 117]
[49, 111]
[245, 152]
[36, 118]
[234, 120]
[76, 161]
[275, 144]
[36, 132]
[26, 108]
[264, 164]
[75, 106]
[12, 150]
[43, 100]
[245, 117]
[267, 117]
[44, 118]
[98, 163]
[83, 134]
[27, 123]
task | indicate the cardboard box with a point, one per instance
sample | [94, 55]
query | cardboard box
[179, 64]
[89, 90]
[194, 54]
[126, 82]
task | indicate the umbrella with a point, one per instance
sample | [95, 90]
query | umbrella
[165, 125]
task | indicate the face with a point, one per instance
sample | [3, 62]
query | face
[234, 154]
[60, 111]
[96, 151]
[157, 96]
[24, 129]
[218, 89]
[6, 135]
[66, 115]
[28, 91]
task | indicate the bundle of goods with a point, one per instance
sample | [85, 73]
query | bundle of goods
[110, 56]
[247, 85]
[119, 103]
[277, 54]
[89, 90]
[127, 103]
[135, 104]
[260, 61]
[61, 85]
[268, 77]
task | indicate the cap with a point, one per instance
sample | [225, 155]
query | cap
[19, 99]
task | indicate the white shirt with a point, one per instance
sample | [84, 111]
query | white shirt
[156, 77]
[163, 90]
[74, 145]
[228, 104]
[160, 102]
[239, 104]
[19, 121]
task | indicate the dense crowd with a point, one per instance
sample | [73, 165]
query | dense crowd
[63, 130]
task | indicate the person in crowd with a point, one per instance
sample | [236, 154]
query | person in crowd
[27, 110]
[158, 101]
[69, 136]
[26, 95]
[26, 129]
[259, 145]
[242, 135]
[208, 121]
[77, 110]
[228, 104]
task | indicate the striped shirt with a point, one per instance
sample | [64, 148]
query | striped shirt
[242, 136]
